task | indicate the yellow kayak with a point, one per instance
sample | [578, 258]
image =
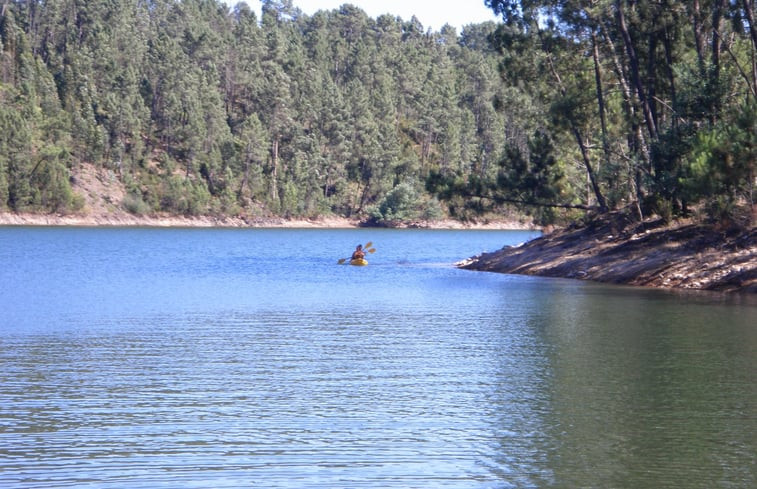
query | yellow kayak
[359, 262]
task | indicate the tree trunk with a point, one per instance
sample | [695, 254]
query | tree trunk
[600, 97]
[717, 17]
[246, 175]
[589, 171]
[582, 146]
[671, 76]
[636, 135]
[275, 169]
[633, 63]
[696, 22]
[749, 13]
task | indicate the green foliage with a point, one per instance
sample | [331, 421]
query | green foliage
[533, 175]
[656, 103]
[49, 180]
[198, 108]
[721, 168]
[3, 184]
[533, 180]
[180, 195]
[399, 204]
[133, 203]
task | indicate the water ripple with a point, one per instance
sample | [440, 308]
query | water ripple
[434, 378]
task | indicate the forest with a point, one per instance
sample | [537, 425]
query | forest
[563, 108]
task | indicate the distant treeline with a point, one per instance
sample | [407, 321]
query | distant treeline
[199, 108]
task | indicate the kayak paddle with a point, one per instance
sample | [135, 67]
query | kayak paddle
[367, 245]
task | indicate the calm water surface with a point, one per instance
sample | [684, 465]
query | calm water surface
[139, 358]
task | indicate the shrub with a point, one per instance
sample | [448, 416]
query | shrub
[402, 203]
[134, 204]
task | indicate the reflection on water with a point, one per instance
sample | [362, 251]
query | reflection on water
[653, 389]
[261, 366]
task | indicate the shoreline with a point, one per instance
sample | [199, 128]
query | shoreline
[122, 219]
[613, 249]
[618, 250]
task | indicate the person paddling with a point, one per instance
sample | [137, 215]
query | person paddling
[358, 254]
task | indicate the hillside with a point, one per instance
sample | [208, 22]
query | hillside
[215, 111]
[193, 111]
[102, 195]
[102, 204]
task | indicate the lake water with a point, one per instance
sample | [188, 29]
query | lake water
[149, 358]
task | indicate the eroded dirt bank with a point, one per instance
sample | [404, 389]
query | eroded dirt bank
[617, 250]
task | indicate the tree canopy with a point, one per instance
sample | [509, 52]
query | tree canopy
[199, 108]
[658, 97]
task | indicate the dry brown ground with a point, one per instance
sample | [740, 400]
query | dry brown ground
[618, 250]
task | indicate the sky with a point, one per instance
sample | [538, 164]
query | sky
[431, 13]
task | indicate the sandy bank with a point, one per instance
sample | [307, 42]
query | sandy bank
[618, 250]
[123, 219]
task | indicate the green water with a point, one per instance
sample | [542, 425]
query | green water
[249, 358]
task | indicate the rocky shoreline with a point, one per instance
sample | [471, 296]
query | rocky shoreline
[615, 249]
